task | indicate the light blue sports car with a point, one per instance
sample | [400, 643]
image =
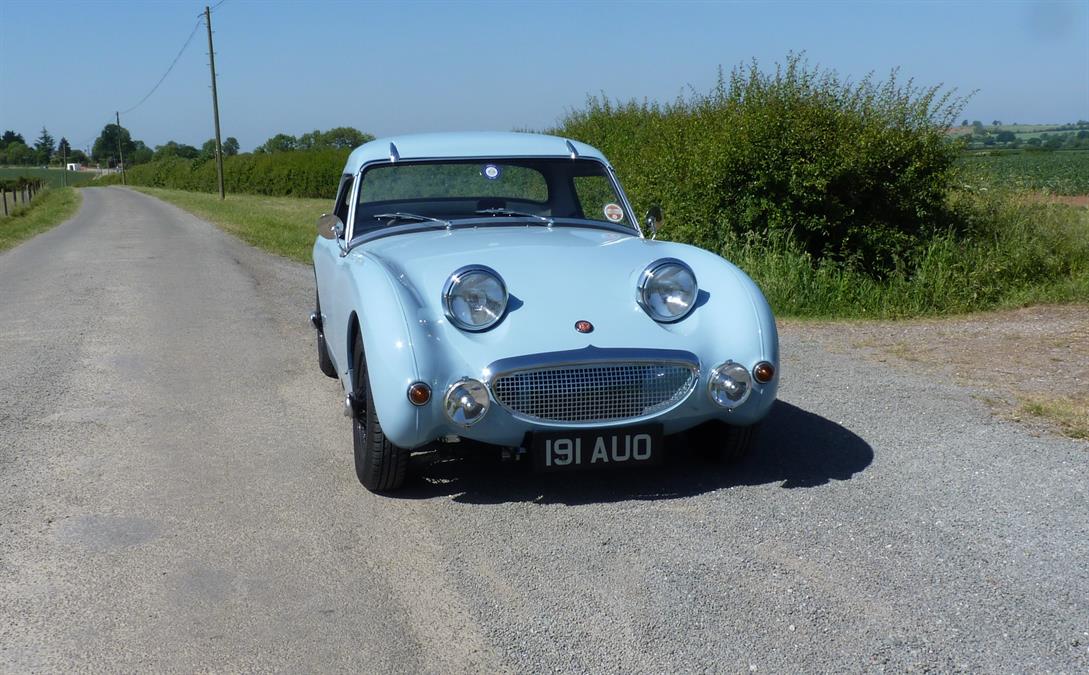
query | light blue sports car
[496, 289]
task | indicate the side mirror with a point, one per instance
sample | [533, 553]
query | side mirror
[330, 227]
[653, 220]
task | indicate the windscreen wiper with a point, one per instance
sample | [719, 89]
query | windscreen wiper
[400, 215]
[509, 212]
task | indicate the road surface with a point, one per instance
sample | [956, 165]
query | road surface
[177, 494]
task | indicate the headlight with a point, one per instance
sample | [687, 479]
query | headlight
[466, 402]
[667, 290]
[474, 298]
[730, 384]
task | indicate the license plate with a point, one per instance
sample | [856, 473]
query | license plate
[597, 448]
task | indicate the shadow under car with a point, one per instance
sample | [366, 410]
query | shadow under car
[793, 447]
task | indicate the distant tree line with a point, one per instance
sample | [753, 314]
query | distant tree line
[14, 149]
[976, 136]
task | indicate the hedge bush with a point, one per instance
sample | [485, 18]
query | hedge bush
[853, 173]
[302, 173]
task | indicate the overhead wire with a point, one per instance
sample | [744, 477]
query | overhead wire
[173, 63]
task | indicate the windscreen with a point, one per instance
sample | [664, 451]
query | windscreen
[550, 188]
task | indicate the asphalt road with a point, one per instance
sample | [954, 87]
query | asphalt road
[176, 494]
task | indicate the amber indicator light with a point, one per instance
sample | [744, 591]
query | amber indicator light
[584, 326]
[763, 372]
[419, 393]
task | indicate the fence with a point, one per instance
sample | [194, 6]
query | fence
[21, 190]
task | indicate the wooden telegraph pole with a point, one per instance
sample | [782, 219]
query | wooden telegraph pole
[215, 100]
[119, 153]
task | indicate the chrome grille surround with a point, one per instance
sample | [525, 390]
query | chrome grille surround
[593, 386]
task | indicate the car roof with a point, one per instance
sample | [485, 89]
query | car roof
[467, 144]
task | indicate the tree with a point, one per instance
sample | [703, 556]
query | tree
[309, 141]
[208, 150]
[175, 149]
[997, 123]
[10, 137]
[341, 138]
[105, 146]
[278, 143]
[1006, 137]
[64, 149]
[141, 154]
[345, 138]
[43, 147]
[230, 147]
[19, 154]
[964, 123]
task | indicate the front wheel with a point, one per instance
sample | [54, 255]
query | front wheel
[380, 465]
[723, 442]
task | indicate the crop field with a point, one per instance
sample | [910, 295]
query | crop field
[53, 177]
[1062, 172]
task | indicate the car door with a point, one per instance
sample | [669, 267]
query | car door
[329, 264]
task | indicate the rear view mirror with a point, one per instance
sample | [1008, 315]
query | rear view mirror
[330, 227]
[653, 220]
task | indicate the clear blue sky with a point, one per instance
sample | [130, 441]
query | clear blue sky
[402, 67]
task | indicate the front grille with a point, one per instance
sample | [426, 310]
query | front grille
[594, 392]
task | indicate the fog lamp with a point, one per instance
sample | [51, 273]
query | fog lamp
[729, 385]
[466, 402]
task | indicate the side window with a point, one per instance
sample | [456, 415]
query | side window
[341, 208]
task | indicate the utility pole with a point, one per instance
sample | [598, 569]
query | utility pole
[215, 99]
[64, 167]
[119, 153]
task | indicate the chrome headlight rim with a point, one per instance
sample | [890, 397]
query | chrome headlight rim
[464, 381]
[647, 276]
[731, 364]
[447, 295]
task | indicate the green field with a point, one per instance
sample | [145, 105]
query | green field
[1061, 172]
[52, 177]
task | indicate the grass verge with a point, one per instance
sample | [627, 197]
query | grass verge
[1070, 414]
[49, 208]
[282, 225]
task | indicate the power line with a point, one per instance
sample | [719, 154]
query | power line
[172, 64]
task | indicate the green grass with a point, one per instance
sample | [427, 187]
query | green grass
[48, 208]
[282, 225]
[1070, 414]
[52, 177]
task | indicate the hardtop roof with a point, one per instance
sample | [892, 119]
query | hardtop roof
[467, 144]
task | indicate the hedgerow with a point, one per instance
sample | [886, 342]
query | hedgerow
[302, 173]
[856, 173]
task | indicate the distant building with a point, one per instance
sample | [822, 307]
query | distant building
[72, 166]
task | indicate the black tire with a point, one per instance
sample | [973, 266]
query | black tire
[724, 443]
[379, 465]
[324, 362]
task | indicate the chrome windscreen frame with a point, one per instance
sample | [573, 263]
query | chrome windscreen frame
[351, 241]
